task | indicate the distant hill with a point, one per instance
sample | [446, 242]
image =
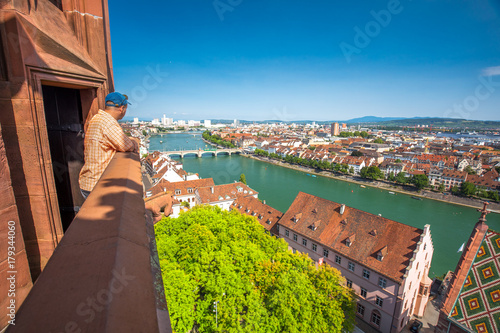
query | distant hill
[371, 119]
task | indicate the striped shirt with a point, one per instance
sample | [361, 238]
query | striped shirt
[103, 138]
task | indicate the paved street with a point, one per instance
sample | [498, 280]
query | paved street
[430, 317]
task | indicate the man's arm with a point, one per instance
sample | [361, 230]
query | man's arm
[119, 140]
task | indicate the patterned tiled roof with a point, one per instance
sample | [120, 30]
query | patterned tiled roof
[478, 305]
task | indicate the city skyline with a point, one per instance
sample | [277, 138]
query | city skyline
[295, 61]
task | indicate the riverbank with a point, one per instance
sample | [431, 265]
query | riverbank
[461, 201]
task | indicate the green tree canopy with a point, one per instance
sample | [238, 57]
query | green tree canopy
[208, 255]
[378, 140]
[363, 134]
[469, 170]
[420, 181]
[243, 178]
[357, 153]
[401, 178]
[468, 189]
[372, 172]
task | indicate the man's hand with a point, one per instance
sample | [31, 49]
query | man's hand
[135, 141]
[157, 203]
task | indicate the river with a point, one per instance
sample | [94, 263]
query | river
[451, 224]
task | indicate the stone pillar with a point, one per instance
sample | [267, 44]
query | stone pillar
[14, 267]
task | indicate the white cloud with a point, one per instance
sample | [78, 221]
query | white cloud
[491, 71]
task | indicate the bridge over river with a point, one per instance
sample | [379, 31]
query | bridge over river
[200, 152]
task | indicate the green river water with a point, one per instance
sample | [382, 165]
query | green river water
[451, 224]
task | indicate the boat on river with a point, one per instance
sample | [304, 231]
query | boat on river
[391, 193]
[363, 186]
[416, 198]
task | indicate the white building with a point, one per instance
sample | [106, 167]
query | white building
[207, 123]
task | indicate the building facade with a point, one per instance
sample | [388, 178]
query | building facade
[388, 273]
[55, 71]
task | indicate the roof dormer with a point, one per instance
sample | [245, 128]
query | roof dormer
[296, 217]
[382, 253]
[349, 240]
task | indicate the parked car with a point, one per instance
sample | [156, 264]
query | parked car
[416, 326]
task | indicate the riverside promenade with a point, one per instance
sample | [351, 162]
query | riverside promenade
[385, 185]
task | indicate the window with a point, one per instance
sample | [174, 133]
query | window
[348, 283]
[304, 241]
[351, 266]
[360, 310]
[287, 233]
[325, 253]
[363, 292]
[278, 228]
[315, 247]
[295, 237]
[366, 274]
[382, 283]
[375, 318]
[379, 301]
[177, 192]
[379, 257]
[293, 250]
[190, 190]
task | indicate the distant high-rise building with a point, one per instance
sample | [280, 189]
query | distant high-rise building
[164, 120]
[156, 121]
[208, 123]
[335, 129]
[236, 123]
[136, 120]
[344, 126]
[181, 123]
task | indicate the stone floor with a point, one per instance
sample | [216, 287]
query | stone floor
[430, 318]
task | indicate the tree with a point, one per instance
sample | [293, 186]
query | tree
[441, 187]
[493, 195]
[468, 189]
[378, 140]
[208, 255]
[469, 170]
[144, 133]
[420, 181]
[363, 134]
[357, 153]
[398, 160]
[372, 172]
[243, 179]
[391, 177]
[401, 178]
[455, 190]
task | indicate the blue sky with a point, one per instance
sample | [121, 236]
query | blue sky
[318, 60]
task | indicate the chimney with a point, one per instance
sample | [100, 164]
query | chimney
[212, 189]
[342, 209]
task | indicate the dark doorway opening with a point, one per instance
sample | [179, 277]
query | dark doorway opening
[63, 114]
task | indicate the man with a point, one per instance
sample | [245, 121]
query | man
[104, 137]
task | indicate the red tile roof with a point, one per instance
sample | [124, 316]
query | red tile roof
[166, 186]
[336, 228]
[224, 192]
[265, 214]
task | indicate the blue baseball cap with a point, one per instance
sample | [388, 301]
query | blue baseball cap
[116, 99]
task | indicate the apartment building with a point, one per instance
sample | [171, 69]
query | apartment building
[385, 262]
